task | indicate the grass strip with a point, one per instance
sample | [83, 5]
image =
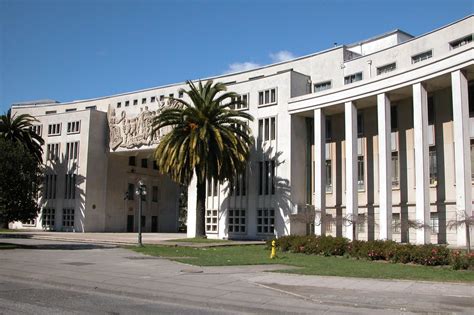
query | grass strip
[309, 264]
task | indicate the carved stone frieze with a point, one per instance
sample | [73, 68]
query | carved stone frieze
[132, 132]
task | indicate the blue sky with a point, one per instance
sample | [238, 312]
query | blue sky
[77, 49]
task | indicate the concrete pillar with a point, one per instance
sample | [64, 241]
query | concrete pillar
[422, 180]
[320, 169]
[350, 117]
[461, 148]
[385, 172]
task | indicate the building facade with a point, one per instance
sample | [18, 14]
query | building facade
[376, 136]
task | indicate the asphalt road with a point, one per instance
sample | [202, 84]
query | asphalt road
[54, 277]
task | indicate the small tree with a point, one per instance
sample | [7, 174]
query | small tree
[307, 215]
[20, 179]
[466, 220]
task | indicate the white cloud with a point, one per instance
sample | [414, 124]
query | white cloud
[241, 66]
[282, 55]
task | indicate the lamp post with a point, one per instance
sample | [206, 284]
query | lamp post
[141, 191]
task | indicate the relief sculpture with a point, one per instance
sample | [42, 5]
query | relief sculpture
[132, 132]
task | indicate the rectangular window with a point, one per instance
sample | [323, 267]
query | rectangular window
[91, 107]
[119, 104]
[71, 110]
[131, 161]
[396, 225]
[162, 98]
[135, 102]
[49, 112]
[272, 128]
[73, 127]
[48, 218]
[127, 103]
[70, 186]
[260, 178]
[241, 102]
[433, 165]
[395, 170]
[386, 68]
[265, 221]
[272, 176]
[267, 97]
[152, 99]
[360, 173]
[266, 178]
[72, 150]
[394, 117]
[143, 221]
[180, 94]
[472, 159]
[50, 185]
[423, 56]
[236, 221]
[52, 151]
[54, 129]
[360, 223]
[172, 95]
[329, 223]
[434, 223]
[144, 100]
[318, 87]
[144, 163]
[68, 217]
[328, 176]
[211, 221]
[461, 42]
[328, 129]
[37, 129]
[155, 166]
[360, 124]
[267, 129]
[154, 195]
[431, 111]
[130, 191]
[353, 78]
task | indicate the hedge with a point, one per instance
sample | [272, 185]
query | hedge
[428, 255]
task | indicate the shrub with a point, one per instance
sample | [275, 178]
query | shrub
[460, 260]
[430, 255]
[378, 250]
[403, 253]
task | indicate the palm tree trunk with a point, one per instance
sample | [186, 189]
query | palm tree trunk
[201, 208]
[468, 237]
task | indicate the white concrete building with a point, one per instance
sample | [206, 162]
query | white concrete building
[382, 130]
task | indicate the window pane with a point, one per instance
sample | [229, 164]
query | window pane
[272, 135]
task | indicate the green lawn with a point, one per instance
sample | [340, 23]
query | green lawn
[310, 265]
[198, 240]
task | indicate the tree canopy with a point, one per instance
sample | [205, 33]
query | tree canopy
[206, 137]
[17, 128]
[20, 179]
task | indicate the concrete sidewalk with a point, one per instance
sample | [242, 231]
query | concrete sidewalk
[246, 289]
[119, 238]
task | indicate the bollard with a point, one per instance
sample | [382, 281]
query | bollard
[273, 254]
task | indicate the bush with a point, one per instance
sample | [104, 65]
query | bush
[428, 255]
[460, 260]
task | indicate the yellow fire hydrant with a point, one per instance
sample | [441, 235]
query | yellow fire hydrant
[273, 254]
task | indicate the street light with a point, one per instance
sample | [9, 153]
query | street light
[141, 191]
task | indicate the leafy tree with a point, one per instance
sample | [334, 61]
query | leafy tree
[20, 179]
[17, 128]
[207, 138]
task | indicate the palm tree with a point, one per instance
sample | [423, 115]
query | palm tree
[18, 129]
[463, 219]
[207, 139]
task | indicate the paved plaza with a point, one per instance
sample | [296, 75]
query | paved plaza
[70, 277]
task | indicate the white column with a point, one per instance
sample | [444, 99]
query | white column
[422, 181]
[385, 171]
[461, 148]
[320, 168]
[350, 117]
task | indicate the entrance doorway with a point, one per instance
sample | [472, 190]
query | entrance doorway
[154, 223]
[130, 223]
